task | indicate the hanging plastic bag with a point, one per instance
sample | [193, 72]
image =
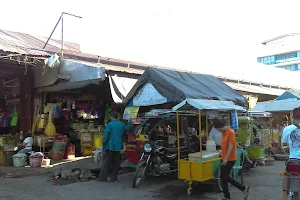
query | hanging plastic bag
[14, 118]
[56, 112]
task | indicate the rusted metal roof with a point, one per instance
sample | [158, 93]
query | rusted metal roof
[26, 44]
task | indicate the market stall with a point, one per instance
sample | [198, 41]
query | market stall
[163, 89]
[204, 165]
[255, 135]
[15, 103]
[281, 117]
[73, 106]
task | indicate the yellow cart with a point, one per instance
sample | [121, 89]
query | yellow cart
[201, 170]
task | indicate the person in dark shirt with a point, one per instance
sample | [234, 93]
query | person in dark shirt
[112, 145]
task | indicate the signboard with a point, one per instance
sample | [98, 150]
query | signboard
[131, 112]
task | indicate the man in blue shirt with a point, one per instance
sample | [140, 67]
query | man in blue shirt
[291, 138]
[112, 145]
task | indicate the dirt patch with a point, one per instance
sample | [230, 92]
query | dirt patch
[13, 172]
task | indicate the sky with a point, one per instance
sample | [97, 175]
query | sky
[190, 34]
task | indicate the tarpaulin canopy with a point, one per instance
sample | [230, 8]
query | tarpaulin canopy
[277, 106]
[177, 86]
[204, 104]
[71, 74]
[120, 86]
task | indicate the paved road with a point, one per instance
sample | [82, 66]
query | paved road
[264, 181]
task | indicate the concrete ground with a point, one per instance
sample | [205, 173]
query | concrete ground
[264, 181]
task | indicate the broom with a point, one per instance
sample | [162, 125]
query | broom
[50, 129]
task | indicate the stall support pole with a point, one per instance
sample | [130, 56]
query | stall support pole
[229, 122]
[200, 135]
[178, 134]
[206, 121]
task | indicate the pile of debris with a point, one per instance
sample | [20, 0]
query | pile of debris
[76, 174]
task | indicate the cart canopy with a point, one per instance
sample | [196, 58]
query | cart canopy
[277, 106]
[204, 104]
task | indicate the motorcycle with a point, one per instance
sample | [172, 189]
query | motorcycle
[157, 160]
[293, 174]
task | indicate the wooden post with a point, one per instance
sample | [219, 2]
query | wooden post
[25, 117]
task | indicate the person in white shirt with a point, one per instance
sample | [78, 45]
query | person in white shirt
[216, 136]
[26, 146]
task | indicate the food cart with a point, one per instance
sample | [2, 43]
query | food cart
[254, 134]
[207, 166]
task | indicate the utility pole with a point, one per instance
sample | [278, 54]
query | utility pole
[61, 18]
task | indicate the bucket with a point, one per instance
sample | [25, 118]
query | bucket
[46, 162]
[87, 151]
[8, 158]
[70, 154]
[98, 142]
[35, 161]
[57, 155]
[19, 160]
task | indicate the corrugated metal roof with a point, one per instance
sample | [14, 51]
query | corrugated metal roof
[255, 89]
[277, 106]
[22, 43]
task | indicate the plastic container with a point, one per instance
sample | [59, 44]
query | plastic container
[9, 158]
[98, 142]
[19, 160]
[57, 155]
[87, 151]
[35, 161]
[206, 155]
[211, 146]
[70, 154]
[46, 162]
[255, 152]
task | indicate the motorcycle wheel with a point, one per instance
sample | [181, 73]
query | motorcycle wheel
[139, 174]
[295, 196]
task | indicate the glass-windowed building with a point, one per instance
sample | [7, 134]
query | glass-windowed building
[283, 52]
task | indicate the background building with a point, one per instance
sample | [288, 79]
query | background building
[282, 52]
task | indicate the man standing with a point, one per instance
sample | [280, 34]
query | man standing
[216, 136]
[291, 139]
[229, 156]
[112, 145]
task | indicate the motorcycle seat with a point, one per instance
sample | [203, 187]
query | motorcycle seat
[293, 161]
[175, 150]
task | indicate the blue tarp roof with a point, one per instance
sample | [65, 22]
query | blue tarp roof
[277, 106]
[290, 94]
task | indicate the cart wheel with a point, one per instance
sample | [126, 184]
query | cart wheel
[218, 181]
[255, 164]
[189, 191]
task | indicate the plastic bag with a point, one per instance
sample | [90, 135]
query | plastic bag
[15, 117]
